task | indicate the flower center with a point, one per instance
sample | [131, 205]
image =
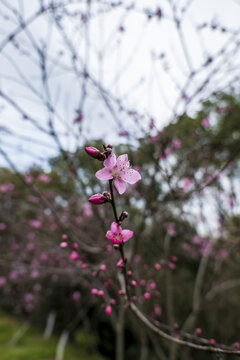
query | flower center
[118, 237]
[115, 174]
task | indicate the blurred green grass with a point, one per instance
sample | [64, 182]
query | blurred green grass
[32, 346]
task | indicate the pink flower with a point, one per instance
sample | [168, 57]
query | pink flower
[44, 178]
[236, 345]
[35, 224]
[117, 235]
[157, 310]
[2, 281]
[120, 263]
[171, 266]
[187, 183]
[198, 331]
[205, 122]
[2, 226]
[74, 256]
[119, 170]
[212, 342]
[108, 310]
[123, 133]
[76, 295]
[146, 295]
[176, 144]
[87, 211]
[63, 244]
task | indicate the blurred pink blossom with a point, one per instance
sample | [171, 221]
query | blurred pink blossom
[74, 256]
[205, 122]
[108, 309]
[187, 183]
[87, 210]
[76, 295]
[37, 224]
[176, 144]
[44, 178]
[146, 295]
[2, 226]
[123, 133]
[3, 281]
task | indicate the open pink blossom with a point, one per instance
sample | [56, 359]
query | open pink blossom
[117, 235]
[119, 170]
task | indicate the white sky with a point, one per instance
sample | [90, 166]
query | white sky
[125, 64]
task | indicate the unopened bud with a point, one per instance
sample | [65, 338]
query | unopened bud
[133, 283]
[98, 199]
[107, 150]
[107, 146]
[198, 331]
[123, 215]
[94, 153]
[108, 310]
[212, 342]
[107, 195]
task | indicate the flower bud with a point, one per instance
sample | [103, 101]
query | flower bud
[103, 267]
[236, 346]
[108, 310]
[146, 295]
[107, 150]
[212, 342]
[107, 195]
[94, 153]
[98, 199]
[74, 256]
[198, 331]
[123, 215]
[63, 244]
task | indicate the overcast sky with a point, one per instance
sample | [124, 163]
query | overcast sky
[136, 60]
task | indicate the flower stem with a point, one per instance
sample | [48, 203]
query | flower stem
[113, 201]
[121, 246]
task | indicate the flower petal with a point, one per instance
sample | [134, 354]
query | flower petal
[120, 186]
[104, 174]
[109, 235]
[115, 228]
[126, 235]
[131, 176]
[123, 163]
[115, 241]
[110, 161]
